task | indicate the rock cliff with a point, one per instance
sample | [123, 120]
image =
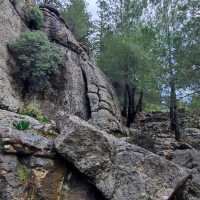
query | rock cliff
[86, 92]
[76, 155]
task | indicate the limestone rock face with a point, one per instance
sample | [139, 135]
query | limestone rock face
[11, 27]
[80, 88]
[30, 167]
[190, 159]
[87, 92]
[30, 177]
[77, 158]
[119, 170]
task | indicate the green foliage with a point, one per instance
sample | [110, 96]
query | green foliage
[23, 173]
[22, 125]
[150, 44]
[34, 17]
[34, 112]
[48, 134]
[154, 108]
[76, 16]
[195, 103]
[37, 60]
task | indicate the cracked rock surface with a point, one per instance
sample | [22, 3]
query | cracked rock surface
[30, 168]
[77, 157]
[80, 89]
[118, 169]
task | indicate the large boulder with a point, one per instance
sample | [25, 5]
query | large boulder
[30, 177]
[190, 159]
[30, 167]
[87, 92]
[118, 169]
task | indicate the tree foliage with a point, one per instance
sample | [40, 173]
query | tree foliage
[76, 16]
[153, 46]
[37, 60]
[34, 17]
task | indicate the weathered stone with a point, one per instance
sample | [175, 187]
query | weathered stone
[87, 93]
[11, 27]
[47, 177]
[58, 31]
[192, 137]
[8, 119]
[118, 169]
[76, 187]
[23, 178]
[10, 184]
[190, 159]
[72, 88]
[104, 106]
[18, 142]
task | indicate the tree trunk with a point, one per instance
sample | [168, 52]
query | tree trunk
[131, 104]
[173, 112]
[124, 110]
[139, 107]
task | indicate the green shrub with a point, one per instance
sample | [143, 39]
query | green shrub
[34, 17]
[22, 125]
[23, 173]
[34, 112]
[154, 108]
[37, 60]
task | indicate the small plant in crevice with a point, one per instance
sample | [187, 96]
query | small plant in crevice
[32, 111]
[37, 61]
[22, 125]
[23, 173]
[48, 134]
[34, 17]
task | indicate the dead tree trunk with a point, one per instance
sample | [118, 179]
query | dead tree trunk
[131, 104]
[139, 106]
[125, 110]
[173, 112]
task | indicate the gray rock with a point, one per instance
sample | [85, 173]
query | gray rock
[190, 159]
[76, 187]
[10, 185]
[30, 178]
[84, 90]
[192, 137]
[80, 88]
[118, 169]
[18, 142]
[11, 27]
[104, 105]
[30, 169]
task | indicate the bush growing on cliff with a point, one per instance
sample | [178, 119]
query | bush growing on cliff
[34, 17]
[34, 112]
[37, 60]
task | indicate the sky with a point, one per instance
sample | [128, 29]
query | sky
[92, 7]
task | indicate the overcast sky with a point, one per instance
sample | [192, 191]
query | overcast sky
[92, 7]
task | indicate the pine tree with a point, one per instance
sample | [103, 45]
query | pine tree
[76, 16]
